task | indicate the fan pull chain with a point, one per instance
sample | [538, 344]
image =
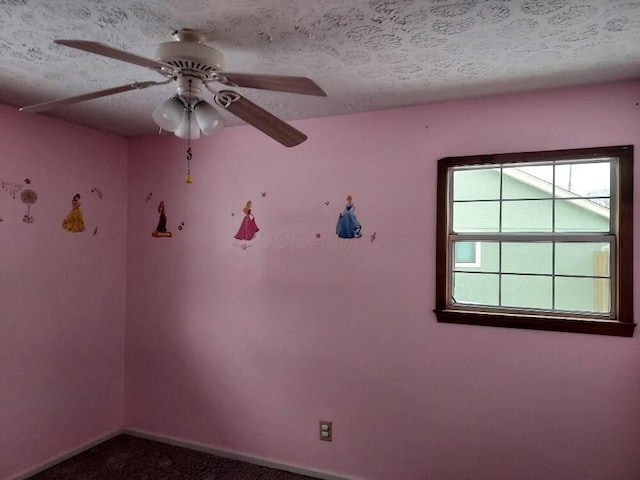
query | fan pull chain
[189, 156]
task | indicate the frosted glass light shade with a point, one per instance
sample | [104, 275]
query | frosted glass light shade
[188, 128]
[208, 118]
[169, 114]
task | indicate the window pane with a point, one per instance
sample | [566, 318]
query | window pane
[465, 252]
[582, 294]
[486, 257]
[476, 184]
[527, 182]
[581, 216]
[527, 216]
[475, 288]
[476, 216]
[527, 291]
[577, 258]
[527, 257]
[584, 179]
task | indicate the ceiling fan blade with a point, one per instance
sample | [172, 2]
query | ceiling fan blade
[88, 96]
[107, 51]
[279, 83]
[257, 116]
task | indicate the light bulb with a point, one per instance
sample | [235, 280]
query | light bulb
[208, 118]
[188, 127]
[169, 114]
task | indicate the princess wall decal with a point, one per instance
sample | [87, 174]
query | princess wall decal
[161, 229]
[348, 225]
[248, 227]
[74, 222]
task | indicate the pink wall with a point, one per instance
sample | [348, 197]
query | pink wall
[62, 294]
[245, 350]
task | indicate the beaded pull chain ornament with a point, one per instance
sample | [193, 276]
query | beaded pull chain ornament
[189, 156]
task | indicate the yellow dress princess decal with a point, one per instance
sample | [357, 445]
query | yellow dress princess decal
[73, 222]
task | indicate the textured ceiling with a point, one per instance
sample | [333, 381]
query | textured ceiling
[366, 54]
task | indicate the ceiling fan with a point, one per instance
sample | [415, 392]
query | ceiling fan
[194, 65]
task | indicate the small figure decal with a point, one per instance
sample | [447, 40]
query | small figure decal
[161, 229]
[74, 222]
[248, 228]
[348, 225]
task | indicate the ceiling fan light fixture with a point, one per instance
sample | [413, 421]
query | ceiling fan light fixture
[169, 114]
[207, 118]
[188, 128]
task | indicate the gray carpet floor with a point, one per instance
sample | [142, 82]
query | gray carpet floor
[131, 458]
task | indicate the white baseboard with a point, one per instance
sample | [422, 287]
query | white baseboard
[65, 456]
[263, 462]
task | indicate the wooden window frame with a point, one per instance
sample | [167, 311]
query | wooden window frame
[623, 325]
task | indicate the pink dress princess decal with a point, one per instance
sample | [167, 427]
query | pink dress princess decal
[248, 228]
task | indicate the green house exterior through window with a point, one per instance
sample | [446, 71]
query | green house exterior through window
[465, 252]
[537, 240]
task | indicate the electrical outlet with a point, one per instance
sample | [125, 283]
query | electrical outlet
[326, 430]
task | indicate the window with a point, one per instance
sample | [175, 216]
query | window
[539, 240]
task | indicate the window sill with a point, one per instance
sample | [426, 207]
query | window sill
[532, 322]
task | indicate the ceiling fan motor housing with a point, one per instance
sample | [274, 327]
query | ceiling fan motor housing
[194, 59]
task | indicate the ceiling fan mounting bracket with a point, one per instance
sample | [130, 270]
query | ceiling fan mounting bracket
[226, 98]
[220, 78]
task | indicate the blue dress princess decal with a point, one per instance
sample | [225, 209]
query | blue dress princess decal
[348, 225]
